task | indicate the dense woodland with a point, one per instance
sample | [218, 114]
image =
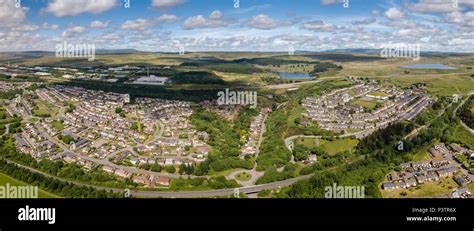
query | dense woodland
[466, 114]
[224, 137]
[146, 90]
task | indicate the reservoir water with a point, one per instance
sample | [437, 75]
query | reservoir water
[429, 66]
[287, 75]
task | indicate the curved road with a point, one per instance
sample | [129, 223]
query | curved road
[178, 194]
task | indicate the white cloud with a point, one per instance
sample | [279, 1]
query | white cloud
[375, 12]
[329, 2]
[366, 21]
[439, 6]
[215, 15]
[167, 18]
[144, 24]
[215, 19]
[166, 3]
[62, 8]
[48, 26]
[320, 26]
[10, 15]
[137, 24]
[26, 27]
[73, 31]
[264, 22]
[462, 19]
[98, 24]
[394, 13]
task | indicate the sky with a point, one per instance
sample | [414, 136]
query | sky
[237, 25]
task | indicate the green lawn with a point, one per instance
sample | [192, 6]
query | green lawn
[4, 179]
[364, 103]
[378, 93]
[423, 154]
[331, 147]
[45, 108]
[439, 85]
[243, 176]
[57, 125]
[463, 136]
[224, 172]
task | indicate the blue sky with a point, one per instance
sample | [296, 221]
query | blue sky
[256, 25]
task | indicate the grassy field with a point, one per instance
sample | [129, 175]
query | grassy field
[369, 104]
[57, 125]
[223, 173]
[439, 85]
[45, 108]
[243, 176]
[378, 93]
[4, 179]
[429, 189]
[331, 147]
[423, 154]
[463, 136]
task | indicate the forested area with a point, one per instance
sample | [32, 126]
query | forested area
[466, 112]
[146, 90]
[197, 77]
[273, 151]
[224, 137]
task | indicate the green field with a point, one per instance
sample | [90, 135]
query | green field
[243, 176]
[331, 147]
[378, 93]
[4, 179]
[364, 103]
[439, 85]
[57, 125]
[422, 154]
[45, 108]
[463, 136]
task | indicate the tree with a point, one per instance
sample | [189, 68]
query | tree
[170, 169]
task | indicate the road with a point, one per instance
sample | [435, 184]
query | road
[291, 85]
[178, 194]
[190, 194]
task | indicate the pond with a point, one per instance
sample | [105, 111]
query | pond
[287, 75]
[429, 66]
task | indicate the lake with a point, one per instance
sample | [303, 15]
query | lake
[287, 75]
[429, 66]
